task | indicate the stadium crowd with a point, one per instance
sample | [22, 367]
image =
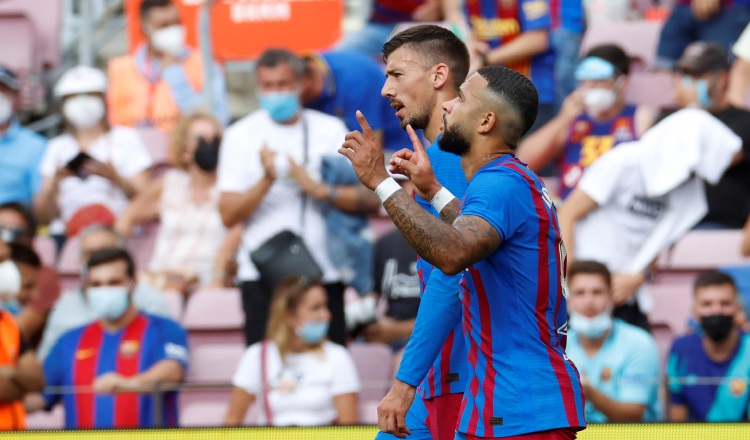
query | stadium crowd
[107, 248]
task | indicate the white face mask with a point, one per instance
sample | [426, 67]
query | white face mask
[591, 328]
[598, 101]
[169, 40]
[6, 108]
[10, 279]
[108, 302]
[84, 111]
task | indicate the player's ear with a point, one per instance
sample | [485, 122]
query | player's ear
[440, 74]
[487, 123]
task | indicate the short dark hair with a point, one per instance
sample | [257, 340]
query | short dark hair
[20, 253]
[614, 55]
[25, 212]
[438, 45]
[589, 267]
[518, 93]
[275, 56]
[713, 278]
[111, 255]
[147, 5]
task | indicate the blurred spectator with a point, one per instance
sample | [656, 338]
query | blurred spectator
[340, 83]
[297, 377]
[707, 370]
[91, 165]
[18, 225]
[568, 24]
[618, 362]
[193, 248]
[515, 34]
[739, 79]
[701, 77]
[386, 14]
[601, 12]
[20, 148]
[271, 195]
[593, 120]
[720, 21]
[20, 372]
[163, 79]
[640, 198]
[72, 310]
[125, 350]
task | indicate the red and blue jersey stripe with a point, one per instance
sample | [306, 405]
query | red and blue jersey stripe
[394, 11]
[84, 354]
[514, 312]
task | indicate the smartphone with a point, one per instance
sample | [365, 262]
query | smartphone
[76, 164]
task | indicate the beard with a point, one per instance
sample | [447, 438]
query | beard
[454, 139]
[421, 119]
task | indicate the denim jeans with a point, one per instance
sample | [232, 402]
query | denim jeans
[567, 44]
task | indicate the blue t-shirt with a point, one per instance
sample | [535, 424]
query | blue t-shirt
[626, 369]
[567, 14]
[21, 152]
[353, 82]
[514, 312]
[83, 354]
[725, 402]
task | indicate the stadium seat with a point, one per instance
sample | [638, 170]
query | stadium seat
[653, 89]
[707, 249]
[664, 337]
[214, 316]
[46, 248]
[176, 303]
[672, 305]
[141, 245]
[214, 363]
[68, 269]
[639, 39]
[46, 17]
[374, 366]
[157, 143]
[209, 412]
[43, 420]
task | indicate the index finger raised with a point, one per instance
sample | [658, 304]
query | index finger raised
[415, 141]
[366, 129]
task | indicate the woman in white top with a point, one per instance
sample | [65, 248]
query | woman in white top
[192, 244]
[91, 163]
[295, 375]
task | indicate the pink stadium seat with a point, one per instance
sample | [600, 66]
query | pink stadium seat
[368, 412]
[47, 19]
[68, 264]
[707, 249]
[20, 56]
[141, 245]
[374, 366]
[214, 309]
[200, 412]
[381, 224]
[672, 305]
[46, 248]
[42, 420]
[664, 337]
[176, 302]
[214, 363]
[157, 144]
[653, 89]
[639, 39]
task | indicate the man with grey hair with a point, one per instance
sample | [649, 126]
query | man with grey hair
[72, 310]
[269, 176]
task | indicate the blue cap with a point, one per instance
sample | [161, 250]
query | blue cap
[594, 68]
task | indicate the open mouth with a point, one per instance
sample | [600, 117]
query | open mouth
[398, 107]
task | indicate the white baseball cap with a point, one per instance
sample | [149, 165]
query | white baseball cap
[81, 79]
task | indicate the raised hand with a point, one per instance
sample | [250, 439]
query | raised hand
[366, 154]
[417, 167]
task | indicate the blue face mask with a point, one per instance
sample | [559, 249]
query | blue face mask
[13, 307]
[108, 302]
[313, 332]
[701, 90]
[281, 106]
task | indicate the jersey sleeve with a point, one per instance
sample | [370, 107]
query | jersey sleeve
[345, 378]
[174, 343]
[239, 166]
[641, 374]
[439, 310]
[495, 197]
[535, 15]
[53, 371]
[600, 180]
[247, 375]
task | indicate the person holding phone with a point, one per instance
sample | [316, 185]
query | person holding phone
[90, 163]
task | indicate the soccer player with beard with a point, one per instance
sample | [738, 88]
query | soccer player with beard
[506, 243]
[425, 66]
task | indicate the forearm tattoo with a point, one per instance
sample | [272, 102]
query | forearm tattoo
[450, 212]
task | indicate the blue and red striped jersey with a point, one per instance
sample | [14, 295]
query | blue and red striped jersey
[514, 312]
[499, 22]
[448, 373]
[567, 14]
[587, 140]
[394, 11]
[83, 354]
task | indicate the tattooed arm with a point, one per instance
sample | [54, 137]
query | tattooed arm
[449, 214]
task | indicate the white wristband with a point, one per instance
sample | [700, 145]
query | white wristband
[386, 189]
[442, 198]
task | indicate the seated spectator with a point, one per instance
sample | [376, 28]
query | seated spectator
[701, 80]
[514, 34]
[618, 362]
[125, 350]
[593, 119]
[272, 195]
[720, 21]
[719, 351]
[91, 164]
[21, 149]
[163, 78]
[641, 197]
[193, 248]
[18, 225]
[385, 15]
[739, 77]
[295, 375]
[72, 310]
[21, 372]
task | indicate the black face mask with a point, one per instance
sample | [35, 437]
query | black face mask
[207, 153]
[717, 327]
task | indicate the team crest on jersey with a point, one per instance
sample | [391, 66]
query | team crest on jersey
[622, 132]
[606, 375]
[737, 387]
[130, 348]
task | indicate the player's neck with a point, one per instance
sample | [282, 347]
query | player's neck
[480, 155]
[122, 321]
[722, 350]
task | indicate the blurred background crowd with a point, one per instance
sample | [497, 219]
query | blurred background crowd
[150, 153]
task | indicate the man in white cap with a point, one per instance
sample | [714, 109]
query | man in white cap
[20, 148]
